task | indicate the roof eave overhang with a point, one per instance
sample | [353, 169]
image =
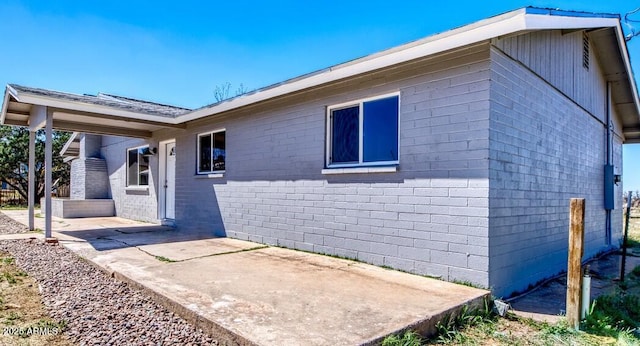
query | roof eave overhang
[73, 138]
[81, 116]
[526, 19]
[470, 34]
[630, 137]
[518, 21]
[88, 108]
[5, 104]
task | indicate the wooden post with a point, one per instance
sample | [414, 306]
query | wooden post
[574, 270]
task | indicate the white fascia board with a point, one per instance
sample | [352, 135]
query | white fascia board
[549, 22]
[69, 142]
[627, 64]
[508, 23]
[514, 21]
[89, 108]
[5, 106]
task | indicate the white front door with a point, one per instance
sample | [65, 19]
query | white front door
[170, 180]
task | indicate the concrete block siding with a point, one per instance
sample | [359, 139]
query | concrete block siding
[490, 154]
[545, 149]
[419, 225]
[70, 208]
[139, 205]
[430, 217]
[89, 179]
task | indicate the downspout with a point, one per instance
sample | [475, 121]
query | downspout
[609, 159]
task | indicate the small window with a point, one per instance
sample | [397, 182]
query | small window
[363, 133]
[138, 166]
[211, 152]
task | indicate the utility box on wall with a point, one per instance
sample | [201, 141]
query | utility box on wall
[610, 181]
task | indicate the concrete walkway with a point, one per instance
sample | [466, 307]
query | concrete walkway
[547, 302]
[248, 293]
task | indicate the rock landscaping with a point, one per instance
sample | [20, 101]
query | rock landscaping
[10, 226]
[95, 308]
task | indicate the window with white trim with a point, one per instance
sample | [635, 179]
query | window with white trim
[211, 152]
[138, 166]
[363, 133]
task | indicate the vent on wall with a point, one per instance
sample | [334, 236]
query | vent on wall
[585, 50]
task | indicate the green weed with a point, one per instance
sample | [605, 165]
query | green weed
[613, 314]
[467, 283]
[8, 277]
[12, 318]
[164, 259]
[451, 327]
[14, 207]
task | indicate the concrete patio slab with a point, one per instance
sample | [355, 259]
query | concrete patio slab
[191, 249]
[94, 224]
[246, 293]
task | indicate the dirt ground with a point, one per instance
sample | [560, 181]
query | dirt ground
[23, 317]
[538, 313]
[547, 302]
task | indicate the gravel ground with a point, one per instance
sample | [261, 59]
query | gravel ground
[99, 310]
[10, 226]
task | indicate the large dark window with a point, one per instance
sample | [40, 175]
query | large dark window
[364, 133]
[138, 166]
[211, 152]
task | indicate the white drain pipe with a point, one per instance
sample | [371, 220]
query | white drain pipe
[586, 296]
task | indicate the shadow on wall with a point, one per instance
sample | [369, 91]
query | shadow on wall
[198, 207]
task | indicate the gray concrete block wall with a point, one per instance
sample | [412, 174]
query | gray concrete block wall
[617, 214]
[90, 145]
[430, 217]
[544, 151]
[89, 179]
[68, 208]
[197, 208]
[133, 204]
[393, 224]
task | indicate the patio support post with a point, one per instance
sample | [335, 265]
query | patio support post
[48, 167]
[31, 177]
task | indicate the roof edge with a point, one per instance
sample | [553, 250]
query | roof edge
[622, 43]
[565, 13]
[43, 100]
[527, 18]
[5, 106]
[68, 143]
[523, 19]
[459, 37]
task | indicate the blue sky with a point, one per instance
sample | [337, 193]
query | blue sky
[177, 52]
